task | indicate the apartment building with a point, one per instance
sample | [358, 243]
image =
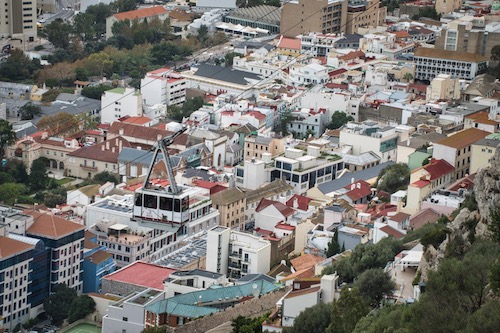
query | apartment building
[456, 150]
[163, 86]
[432, 62]
[444, 7]
[368, 136]
[19, 20]
[467, 34]
[443, 87]
[482, 153]
[16, 260]
[308, 122]
[304, 16]
[65, 241]
[363, 13]
[231, 205]
[182, 282]
[310, 74]
[237, 254]
[120, 102]
[256, 145]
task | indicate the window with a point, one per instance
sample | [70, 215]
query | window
[150, 201]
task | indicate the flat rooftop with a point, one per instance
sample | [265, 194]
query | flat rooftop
[142, 274]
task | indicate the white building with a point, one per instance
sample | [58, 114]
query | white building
[237, 253]
[308, 74]
[163, 86]
[206, 5]
[327, 99]
[308, 122]
[182, 282]
[368, 136]
[128, 314]
[120, 102]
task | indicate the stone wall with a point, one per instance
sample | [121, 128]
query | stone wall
[251, 308]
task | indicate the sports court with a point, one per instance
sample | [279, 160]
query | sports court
[84, 328]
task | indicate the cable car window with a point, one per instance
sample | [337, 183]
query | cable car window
[138, 199]
[150, 201]
[177, 205]
[166, 203]
[185, 204]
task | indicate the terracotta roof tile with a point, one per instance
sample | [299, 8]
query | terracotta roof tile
[106, 151]
[482, 117]
[399, 217]
[137, 131]
[52, 226]
[141, 13]
[142, 274]
[463, 138]
[305, 261]
[283, 209]
[10, 247]
[438, 168]
[289, 43]
[303, 292]
[99, 257]
[392, 232]
[449, 55]
[301, 201]
[423, 217]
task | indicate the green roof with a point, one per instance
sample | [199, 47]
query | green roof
[197, 304]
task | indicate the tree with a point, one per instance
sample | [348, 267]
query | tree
[429, 12]
[105, 176]
[312, 320]
[408, 77]
[84, 25]
[190, 105]
[333, 245]
[373, 284]
[81, 74]
[339, 119]
[124, 5]
[495, 53]
[494, 223]
[386, 319]
[95, 92]
[10, 192]
[58, 32]
[285, 119]
[99, 64]
[393, 178]
[248, 325]
[29, 110]
[18, 67]
[347, 311]
[202, 34]
[38, 179]
[7, 136]
[58, 304]
[81, 307]
[486, 319]
[51, 200]
[61, 123]
[165, 52]
[156, 329]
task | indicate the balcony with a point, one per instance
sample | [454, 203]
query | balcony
[235, 266]
[88, 167]
[235, 255]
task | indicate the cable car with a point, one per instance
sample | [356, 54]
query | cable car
[154, 203]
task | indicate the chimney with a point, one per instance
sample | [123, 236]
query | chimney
[353, 186]
[358, 185]
[353, 180]
[107, 145]
[295, 203]
[121, 131]
[120, 144]
[113, 149]
[103, 148]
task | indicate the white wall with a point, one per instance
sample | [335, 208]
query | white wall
[116, 105]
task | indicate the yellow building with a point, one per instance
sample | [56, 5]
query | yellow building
[482, 152]
[231, 205]
[444, 87]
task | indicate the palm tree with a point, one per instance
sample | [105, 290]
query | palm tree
[408, 77]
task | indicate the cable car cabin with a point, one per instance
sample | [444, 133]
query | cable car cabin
[160, 206]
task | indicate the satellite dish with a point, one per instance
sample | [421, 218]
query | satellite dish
[255, 290]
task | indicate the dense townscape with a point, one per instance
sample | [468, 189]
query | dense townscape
[290, 166]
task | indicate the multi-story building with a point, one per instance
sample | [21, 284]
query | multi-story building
[456, 150]
[231, 206]
[256, 145]
[303, 16]
[163, 86]
[237, 254]
[20, 20]
[16, 260]
[432, 62]
[482, 152]
[466, 34]
[308, 122]
[129, 241]
[263, 17]
[40, 144]
[120, 102]
[97, 264]
[444, 7]
[64, 239]
[364, 13]
[310, 74]
[368, 136]
[182, 282]
[443, 87]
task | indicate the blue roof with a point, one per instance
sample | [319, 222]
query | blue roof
[346, 179]
[194, 304]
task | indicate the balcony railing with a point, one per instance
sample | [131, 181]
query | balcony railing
[88, 167]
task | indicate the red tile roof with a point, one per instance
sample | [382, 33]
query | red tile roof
[392, 232]
[141, 13]
[301, 201]
[399, 217]
[285, 226]
[482, 117]
[420, 183]
[463, 183]
[142, 274]
[402, 34]
[52, 226]
[283, 209]
[358, 193]
[423, 217]
[303, 292]
[106, 151]
[137, 131]
[257, 115]
[98, 257]
[141, 120]
[290, 43]
[305, 261]
[10, 247]
[438, 168]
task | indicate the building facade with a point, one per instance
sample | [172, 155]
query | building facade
[163, 86]
[363, 13]
[303, 16]
[120, 102]
[20, 20]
